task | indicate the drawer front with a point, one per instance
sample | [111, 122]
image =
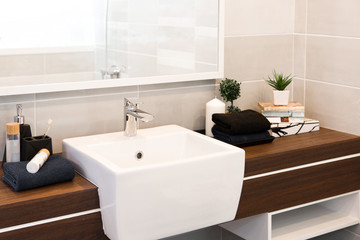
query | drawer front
[86, 227]
[288, 189]
[287, 157]
[48, 207]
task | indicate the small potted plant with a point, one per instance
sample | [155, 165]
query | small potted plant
[230, 91]
[279, 82]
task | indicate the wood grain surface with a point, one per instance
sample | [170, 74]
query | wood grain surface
[283, 190]
[299, 149]
[87, 227]
[46, 202]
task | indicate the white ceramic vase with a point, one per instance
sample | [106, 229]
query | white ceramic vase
[281, 97]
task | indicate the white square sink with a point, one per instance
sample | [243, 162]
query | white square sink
[164, 181]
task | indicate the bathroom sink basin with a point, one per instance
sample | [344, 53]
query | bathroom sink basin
[165, 181]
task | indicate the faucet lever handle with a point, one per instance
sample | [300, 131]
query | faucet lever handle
[132, 102]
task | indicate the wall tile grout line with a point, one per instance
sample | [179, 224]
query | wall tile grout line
[35, 115]
[326, 36]
[84, 96]
[305, 51]
[258, 35]
[332, 84]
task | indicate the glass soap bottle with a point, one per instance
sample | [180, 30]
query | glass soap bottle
[12, 142]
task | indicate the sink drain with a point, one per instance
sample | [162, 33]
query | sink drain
[139, 155]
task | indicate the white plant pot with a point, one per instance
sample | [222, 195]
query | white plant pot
[281, 97]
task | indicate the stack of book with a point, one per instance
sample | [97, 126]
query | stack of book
[288, 119]
[292, 110]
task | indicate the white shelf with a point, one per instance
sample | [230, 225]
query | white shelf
[308, 222]
[300, 222]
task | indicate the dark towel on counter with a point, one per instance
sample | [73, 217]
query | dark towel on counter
[247, 121]
[55, 170]
[242, 140]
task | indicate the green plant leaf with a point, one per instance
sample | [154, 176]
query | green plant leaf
[230, 91]
[279, 81]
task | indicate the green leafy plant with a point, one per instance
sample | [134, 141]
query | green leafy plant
[230, 91]
[279, 81]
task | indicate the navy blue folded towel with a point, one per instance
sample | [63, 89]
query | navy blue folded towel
[55, 170]
[243, 139]
[247, 121]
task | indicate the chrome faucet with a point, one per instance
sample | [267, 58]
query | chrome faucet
[132, 113]
[113, 72]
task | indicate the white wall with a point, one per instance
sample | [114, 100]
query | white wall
[327, 46]
[316, 40]
[80, 113]
[258, 39]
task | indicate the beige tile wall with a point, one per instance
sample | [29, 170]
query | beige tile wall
[40, 64]
[87, 112]
[21, 65]
[258, 17]
[326, 59]
[258, 39]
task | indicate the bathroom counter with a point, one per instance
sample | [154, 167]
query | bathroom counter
[299, 169]
[295, 150]
[68, 210]
[290, 171]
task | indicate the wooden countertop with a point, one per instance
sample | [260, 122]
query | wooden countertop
[80, 195]
[295, 150]
[46, 202]
[296, 186]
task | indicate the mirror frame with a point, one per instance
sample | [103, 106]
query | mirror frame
[121, 82]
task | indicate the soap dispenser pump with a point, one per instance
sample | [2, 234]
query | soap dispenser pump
[19, 118]
[25, 130]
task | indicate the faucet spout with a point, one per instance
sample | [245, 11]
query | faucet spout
[142, 115]
[132, 113]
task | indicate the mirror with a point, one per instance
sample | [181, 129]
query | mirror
[48, 46]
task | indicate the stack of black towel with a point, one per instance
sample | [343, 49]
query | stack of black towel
[242, 129]
[56, 169]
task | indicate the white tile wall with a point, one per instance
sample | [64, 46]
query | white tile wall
[21, 65]
[300, 16]
[259, 17]
[69, 62]
[333, 60]
[326, 57]
[183, 105]
[335, 17]
[336, 106]
[255, 57]
[154, 28]
[39, 65]
[299, 55]
[258, 39]
[80, 113]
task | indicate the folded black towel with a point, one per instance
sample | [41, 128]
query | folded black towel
[55, 170]
[243, 140]
[247, 121]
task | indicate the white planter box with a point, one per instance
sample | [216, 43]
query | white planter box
[281, 97]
